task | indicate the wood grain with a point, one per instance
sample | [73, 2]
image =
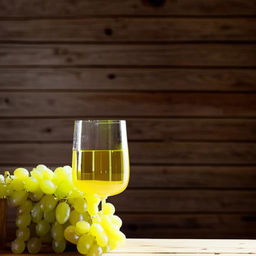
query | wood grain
[178, 153]
[169, 201]
[173, 129]
[46, 8]
[129, 30]
[140, 104]
[210, 55]
[136, 79]
[189, 225]
[170, 177]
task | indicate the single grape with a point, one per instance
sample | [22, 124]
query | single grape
[36, 196]
[62, 212]
[34, 245]
[60, 175]
[70, 234]
[57, 231]
[102, 239]
[80, 204]
[41, 167]
[75, 217]
[47, 186]
[59, 246]
[18, 197]
[17, 185]
[64, 189]
[117, 239]
[31, 184]
[92, 208]
[23, 233]
[84, 243]
[87, 217]
[42, 228]
[108, 209]
[82, 227]
[2, 179]
[48, 202]
[21, 173]
[36, 174]
[18, 246]
[95, 250]
[95, 229]
[47, 174]
[2, 190]
[49, 216]
[36, 213]
[116, 221]
[25, 207]
[23, 220]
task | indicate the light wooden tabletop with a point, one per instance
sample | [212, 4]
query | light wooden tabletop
[179, 247]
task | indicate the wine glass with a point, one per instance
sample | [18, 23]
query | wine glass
[100, 161]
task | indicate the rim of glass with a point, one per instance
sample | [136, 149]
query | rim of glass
[100, 121]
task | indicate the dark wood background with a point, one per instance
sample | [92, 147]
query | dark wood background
[183, 75]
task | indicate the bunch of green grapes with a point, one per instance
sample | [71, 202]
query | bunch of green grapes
[51, 210]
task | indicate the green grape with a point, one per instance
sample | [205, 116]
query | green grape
[2, 190]
[108, 209]
[95, 229]
[95, 250]
[8, 190]
[18, 197]
[47, 186]
[23, 220]
[42, 228]
[92, 208]
[116, 221]
[59, 246]
[62, 212]
[17, 185]
[41, 167]
[21, 173]
[70, 234]
[75, 193]
[47, 174]
[75, 217]
[34, 245]
[106, 249]
[36, 174]
[84, 243]
[60, 175]
[82, 227]
[36, 196]
[31, 184]
[80, 205]
[117, 239]
[102, 239]
[23, 233]
[25, 207]
[36, 213]
[87, 217]
[2, 179]
[48, 202]
[64, 189]
[57, 231]
[18, 246]
[49, 216]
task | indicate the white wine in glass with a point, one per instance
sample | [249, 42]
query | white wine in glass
[100, 161]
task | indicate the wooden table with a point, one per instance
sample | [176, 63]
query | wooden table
[179, 247]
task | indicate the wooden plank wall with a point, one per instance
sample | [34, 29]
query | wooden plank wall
[181, 72]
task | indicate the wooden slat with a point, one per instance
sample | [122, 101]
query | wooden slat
[129, 30]
[169, 201]
[175, 129]
[90, 104]
[189, 225]
[140, 152]
[46, 8]
[223, 177]
[210, 55]
[129, 79]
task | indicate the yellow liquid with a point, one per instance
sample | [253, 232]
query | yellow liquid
[102, 172]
